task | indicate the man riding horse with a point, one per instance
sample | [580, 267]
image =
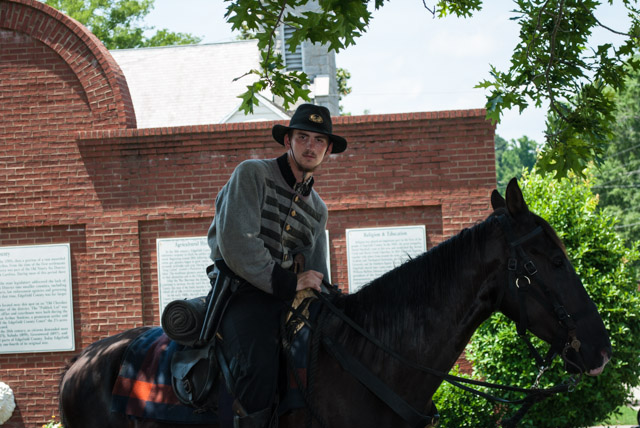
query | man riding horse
[269, 228]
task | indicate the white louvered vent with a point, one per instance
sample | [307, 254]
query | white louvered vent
[292, 60]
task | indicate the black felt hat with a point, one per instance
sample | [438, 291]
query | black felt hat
[313, 118]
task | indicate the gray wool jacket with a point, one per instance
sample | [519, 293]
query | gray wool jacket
[262, 222]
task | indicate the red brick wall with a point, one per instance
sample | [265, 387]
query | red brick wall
[73, 169]
[55, 80]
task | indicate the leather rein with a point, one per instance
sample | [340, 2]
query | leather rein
[521, 274]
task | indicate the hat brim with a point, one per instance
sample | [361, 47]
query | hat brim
[279, 131]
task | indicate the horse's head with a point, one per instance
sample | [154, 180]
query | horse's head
[545, 295]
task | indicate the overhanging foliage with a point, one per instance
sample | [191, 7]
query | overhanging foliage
[551, 62]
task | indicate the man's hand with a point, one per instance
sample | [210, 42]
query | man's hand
[309, 279]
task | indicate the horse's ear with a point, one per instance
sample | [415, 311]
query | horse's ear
[497, 201]
[515, 201]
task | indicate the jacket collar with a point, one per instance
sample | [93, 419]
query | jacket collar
[304, 188]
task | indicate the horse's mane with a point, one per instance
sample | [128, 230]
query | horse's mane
[389, 305]
[414, 293]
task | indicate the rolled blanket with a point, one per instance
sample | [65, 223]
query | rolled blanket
[182, 320]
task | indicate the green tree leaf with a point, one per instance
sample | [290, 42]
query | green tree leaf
[605, 265]
[617, 181]
[551, 62]
[118, 23]
[513, 158]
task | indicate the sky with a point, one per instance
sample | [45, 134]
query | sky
[407, 61]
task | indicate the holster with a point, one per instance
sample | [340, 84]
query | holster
[195, 371]
[223, 283]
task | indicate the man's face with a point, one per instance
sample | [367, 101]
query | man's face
[309, 148]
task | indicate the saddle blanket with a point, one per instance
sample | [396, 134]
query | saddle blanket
[143, 387]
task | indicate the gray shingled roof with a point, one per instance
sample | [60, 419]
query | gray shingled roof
[193, 84]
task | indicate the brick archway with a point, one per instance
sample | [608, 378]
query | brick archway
[104, 85]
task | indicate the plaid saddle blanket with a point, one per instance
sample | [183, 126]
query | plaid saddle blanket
[143, 387]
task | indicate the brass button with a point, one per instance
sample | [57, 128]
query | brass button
[293, 213]
[296, 199]
[288, 227]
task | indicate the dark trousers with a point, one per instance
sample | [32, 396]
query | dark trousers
[250, 332]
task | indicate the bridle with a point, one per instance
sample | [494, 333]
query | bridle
[522, 281]
[521, 272]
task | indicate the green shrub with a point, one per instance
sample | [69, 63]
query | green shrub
[604, 265]
[461, 409]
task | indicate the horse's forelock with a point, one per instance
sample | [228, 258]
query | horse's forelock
[551, 233]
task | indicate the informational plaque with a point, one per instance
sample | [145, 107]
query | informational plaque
[374, 251]
[36, 305]
[182, 269]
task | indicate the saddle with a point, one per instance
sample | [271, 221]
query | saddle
[199, 368]
[195, 370]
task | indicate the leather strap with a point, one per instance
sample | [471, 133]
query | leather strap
[379, 388]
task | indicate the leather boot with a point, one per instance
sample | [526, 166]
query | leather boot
[259, 419]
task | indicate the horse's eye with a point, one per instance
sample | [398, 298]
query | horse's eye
[557, 261]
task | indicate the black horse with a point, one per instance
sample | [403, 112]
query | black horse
[426, 310]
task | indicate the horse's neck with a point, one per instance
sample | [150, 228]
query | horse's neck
[474, 287]
[432, 320]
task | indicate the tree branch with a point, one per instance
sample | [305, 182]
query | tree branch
[431, 11]
[552, 52]
[271, 41]
[601, 24]
[537, 29]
